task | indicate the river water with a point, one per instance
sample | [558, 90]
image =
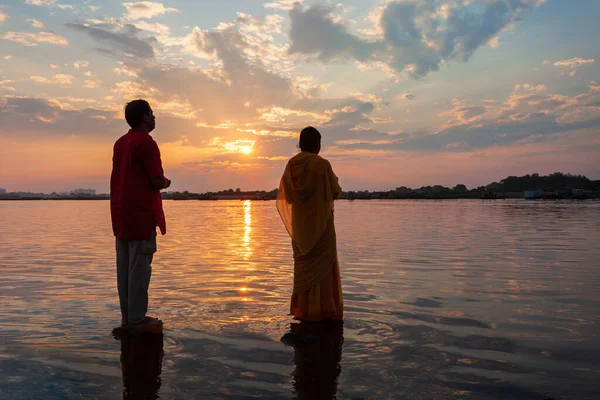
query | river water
[459, 299]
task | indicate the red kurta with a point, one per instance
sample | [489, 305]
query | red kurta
[136, 207]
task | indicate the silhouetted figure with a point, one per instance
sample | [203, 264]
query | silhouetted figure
[136, 210]
[305, 199]
[141, 363]
[317, 355]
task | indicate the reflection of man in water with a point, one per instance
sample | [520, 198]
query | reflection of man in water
[141, 362]
[317, 355]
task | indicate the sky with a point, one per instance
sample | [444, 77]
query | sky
[405, 93]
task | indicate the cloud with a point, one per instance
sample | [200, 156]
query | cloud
[463, 114]
[92, 84]
[49, 4]
[80, 64]
[408, 95]
[527, 116]
[146, 10]
[35, 38]
[242, 97]
[417, 37]
[235, 82]
[529, 87]
[4, 84]
[523, 116]
[572, 64]
[282, 4]
[123, 69]
[25, 106]
[7, 57]
[254, 36]
[3, 16]
[36, 117]
[58, 79]
[369, 142]
[286, 117]
[79, 99]
[367, 97]
[35, 23]
[123, 41]
[353, 113]
[159, 29]
[313, 31]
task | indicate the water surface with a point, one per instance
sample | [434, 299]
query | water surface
[443, 299]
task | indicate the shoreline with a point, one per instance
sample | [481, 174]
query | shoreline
[247, 199]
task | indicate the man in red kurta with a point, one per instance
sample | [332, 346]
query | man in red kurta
[136, 210]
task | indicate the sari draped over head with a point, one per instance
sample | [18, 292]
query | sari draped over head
[305, 203]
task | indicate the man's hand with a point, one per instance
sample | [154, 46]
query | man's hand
[160, 183]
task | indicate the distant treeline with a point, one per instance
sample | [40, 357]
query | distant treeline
[553, 182]
[558, 185]
[228, 194]
[512, 186]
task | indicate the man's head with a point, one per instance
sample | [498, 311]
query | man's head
[310, 140]
[138, 115]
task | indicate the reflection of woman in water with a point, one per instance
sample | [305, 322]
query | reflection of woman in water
[141, 362]
[317, 358]
[305, 202]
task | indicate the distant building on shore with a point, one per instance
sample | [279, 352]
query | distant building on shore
[2, 191]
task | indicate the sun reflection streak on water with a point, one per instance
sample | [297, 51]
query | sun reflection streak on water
[247, 228]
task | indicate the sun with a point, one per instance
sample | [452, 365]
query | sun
[240, 146]
[246, 149]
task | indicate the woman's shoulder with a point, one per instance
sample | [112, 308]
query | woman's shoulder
[306, 156]
[313, 161]
[321, 164]
[322, 160]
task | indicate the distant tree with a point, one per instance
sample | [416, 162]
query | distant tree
[238, 190]
[440, 189]
[403, 190]
[553, 182]
[460, 188]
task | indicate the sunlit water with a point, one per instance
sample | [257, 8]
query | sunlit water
[443, 300]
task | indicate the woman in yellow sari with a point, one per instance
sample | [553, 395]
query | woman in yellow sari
[305, 203]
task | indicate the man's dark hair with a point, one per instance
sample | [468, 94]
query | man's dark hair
[135, 111]
[309, 139]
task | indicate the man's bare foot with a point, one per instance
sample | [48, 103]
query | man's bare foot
[147, 325]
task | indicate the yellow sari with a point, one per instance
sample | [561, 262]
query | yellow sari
[305, 204]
